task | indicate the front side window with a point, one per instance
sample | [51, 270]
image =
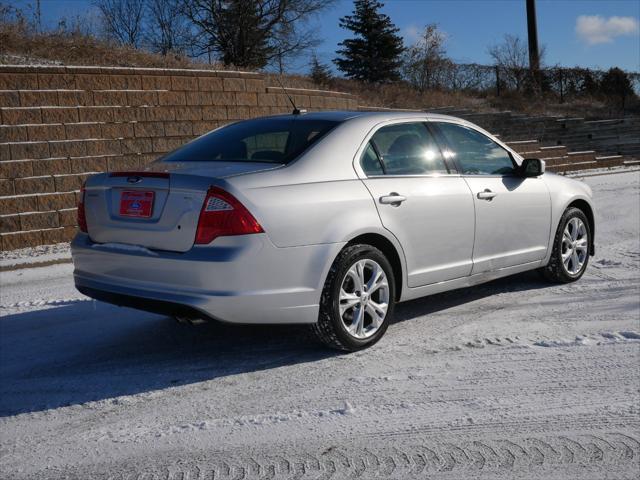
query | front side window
[476, 153]
[271, 140]
[406, 149]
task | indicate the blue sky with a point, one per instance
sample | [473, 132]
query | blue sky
[590, 33]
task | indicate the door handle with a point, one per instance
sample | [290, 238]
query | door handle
[393, 198]
[486, 195]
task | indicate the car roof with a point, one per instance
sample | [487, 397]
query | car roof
[378, 116]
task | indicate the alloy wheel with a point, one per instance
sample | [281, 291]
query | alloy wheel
[575, 246]
[364, 298]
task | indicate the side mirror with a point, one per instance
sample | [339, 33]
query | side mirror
[531, 167]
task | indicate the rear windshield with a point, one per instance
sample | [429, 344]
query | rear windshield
[272, 140]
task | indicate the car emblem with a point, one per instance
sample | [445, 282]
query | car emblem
[134, 179]
[136, 205]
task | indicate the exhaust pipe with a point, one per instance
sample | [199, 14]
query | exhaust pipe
[189, 320]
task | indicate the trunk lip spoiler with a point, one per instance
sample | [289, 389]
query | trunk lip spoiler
[140, 174]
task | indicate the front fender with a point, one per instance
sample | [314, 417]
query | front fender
[564, 192]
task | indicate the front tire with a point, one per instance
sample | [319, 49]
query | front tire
[357, 300]
[571, 246]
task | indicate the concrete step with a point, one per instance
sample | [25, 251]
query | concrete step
[531, 154]
[523, 145]
[553, 161]
[610, 161]
[572, 167]
[554, 151]
[581, 156]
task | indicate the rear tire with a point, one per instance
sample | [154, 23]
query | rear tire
[571, 248]
[357, 300]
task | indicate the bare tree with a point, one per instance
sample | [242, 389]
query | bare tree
[253, 33]
[512, 58]
[23, 18]
[168, 30]
[425, 61]
[290, 43]
[123, 19]
[86, 24]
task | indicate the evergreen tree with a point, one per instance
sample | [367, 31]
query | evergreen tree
[320, 73]
[374, 55]
[616, 84]
[588, 83]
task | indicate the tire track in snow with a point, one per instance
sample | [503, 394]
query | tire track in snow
[611, 450]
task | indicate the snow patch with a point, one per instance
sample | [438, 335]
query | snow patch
[579, 340]
[596, 339]
[32, 255]
[45, 302]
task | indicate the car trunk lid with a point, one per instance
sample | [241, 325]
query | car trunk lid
[158, 208]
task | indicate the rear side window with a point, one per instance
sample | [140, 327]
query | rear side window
[271, 140]
[476, 153]
[370, 161]
[407, 149]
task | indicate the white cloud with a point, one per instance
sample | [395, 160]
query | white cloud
[595, 29]
[412, 34]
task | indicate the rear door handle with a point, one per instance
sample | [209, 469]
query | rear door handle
[393, 198]
[486, 195]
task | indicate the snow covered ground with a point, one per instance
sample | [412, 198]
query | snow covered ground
[512, 379]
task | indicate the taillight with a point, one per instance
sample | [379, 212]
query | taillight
[223, 215]
[82, 217]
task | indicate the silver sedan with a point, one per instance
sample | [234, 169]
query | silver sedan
[328, 219]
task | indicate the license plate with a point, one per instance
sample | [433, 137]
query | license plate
[136, 204]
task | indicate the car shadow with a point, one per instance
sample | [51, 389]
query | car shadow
[441, 301]
[85, 350]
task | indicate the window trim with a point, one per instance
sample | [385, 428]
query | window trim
[443, 138]
[451, 168]
[452, 165]
[376, 150]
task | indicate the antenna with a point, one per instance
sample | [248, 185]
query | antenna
[296, 110]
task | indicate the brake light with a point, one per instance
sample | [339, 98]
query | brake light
[82, 217]
[223, 215]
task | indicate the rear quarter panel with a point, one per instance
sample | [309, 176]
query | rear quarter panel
[316, 199]
[313, 213]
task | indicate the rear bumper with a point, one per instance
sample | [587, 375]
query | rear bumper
[137, 300]
[242, 279]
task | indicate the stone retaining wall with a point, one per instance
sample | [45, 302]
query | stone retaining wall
[62, 124]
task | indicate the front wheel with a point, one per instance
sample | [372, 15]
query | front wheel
[570, 254]
[357, 300]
